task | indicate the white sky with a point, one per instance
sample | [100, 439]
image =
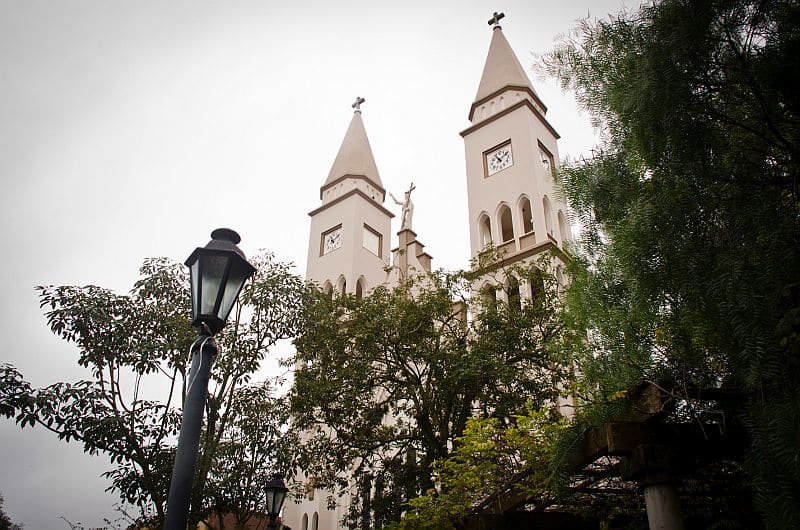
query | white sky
[132, 129]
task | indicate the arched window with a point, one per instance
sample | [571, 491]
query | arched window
[527, 215]
[560, 275]
[360, 288]
[315, 521]
[536, 286]
[506, 224]
[512, 292]
[485, 230]
[563, 228]
[304, 524]
[548, 215]
[488, 296]
[341, 285]
[327, 288]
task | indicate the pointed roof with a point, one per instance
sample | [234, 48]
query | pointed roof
[355, 155]
[502, 68]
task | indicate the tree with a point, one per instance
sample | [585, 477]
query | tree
[386, 384]
[487, 458]
[253, 448]
[5, 520]
[691, 263]
[136, 346]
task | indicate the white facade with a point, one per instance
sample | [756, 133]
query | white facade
[348, 247]
[510, 150]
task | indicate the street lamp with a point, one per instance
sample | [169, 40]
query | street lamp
[276, 494]
[217, 273]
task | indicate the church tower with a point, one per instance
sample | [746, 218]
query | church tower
[348, 246]
[511, 151]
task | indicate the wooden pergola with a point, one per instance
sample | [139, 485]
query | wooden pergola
[666, 462]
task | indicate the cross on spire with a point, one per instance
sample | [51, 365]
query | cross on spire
[496, 18]
[357, 104]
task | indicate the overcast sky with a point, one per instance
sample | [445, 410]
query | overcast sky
[132, 129]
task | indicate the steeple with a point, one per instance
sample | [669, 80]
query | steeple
[355, 155]
[502, 68]
[503, 81]
[511, 152]
[348, 246]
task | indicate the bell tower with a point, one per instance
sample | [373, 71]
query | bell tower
[511, 150]
[348, 246]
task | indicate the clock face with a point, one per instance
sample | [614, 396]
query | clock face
[499, 159]
[331, 241]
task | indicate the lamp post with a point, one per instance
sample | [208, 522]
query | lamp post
[276, 494]
[217, 273]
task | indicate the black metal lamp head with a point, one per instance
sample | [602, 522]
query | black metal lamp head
[218, 272]
[276, 494]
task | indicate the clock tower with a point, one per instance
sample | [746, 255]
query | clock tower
[349, 243]
[511, 151]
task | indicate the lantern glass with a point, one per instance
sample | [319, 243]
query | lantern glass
[217, 272]
[239, 272]
[270, 501]
[194, 280]
[276, 494]
[212, 279]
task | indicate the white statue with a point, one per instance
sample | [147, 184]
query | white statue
[408, 207]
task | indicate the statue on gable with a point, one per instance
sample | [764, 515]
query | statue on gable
[408, 208]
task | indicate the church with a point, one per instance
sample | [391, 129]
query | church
[510, 151]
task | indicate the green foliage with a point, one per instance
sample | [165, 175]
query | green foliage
[5, 520]
[136, 345]
[386, 384]
[691, 246]
[252, 448]
[486, 459]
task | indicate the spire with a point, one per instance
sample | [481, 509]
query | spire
[355, 155]
[502, 67]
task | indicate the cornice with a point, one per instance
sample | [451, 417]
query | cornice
[509, 259]
[350, 193]
[499, 91]
[351, 176]
[508, 110]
